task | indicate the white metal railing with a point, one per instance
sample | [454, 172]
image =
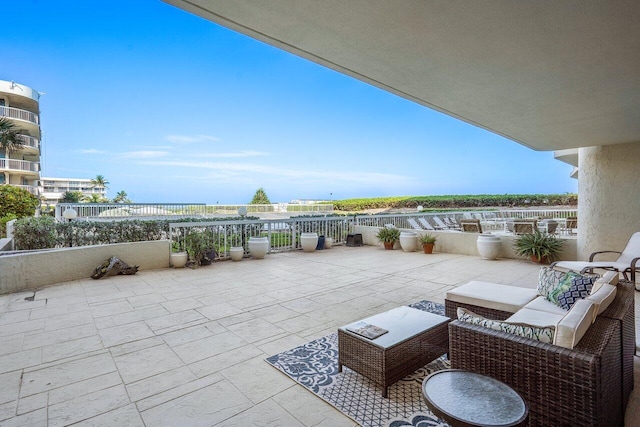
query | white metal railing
[284, 235]
[29, 141]
[402, 220]
[21, 165]
[110, 211]
[17, 113]
[274, 207]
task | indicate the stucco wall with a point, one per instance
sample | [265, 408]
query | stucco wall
[30, 271]
[608, 201]
[465, 243]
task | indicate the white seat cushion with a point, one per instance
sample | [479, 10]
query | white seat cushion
[537, 318]
[575, 324]
[543, 304]
[603, 297]
[492, 296]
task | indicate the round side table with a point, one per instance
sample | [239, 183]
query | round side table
[464, 399]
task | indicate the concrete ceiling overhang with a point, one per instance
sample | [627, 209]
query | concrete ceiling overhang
[551, 75]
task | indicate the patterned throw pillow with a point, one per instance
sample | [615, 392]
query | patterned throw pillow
[520, 329]
[548, 280]
[580, 288]
[562, 287]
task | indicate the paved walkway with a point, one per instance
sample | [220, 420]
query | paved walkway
[186, 347]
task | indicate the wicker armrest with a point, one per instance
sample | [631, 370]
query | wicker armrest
[580, 386]
[593, 255]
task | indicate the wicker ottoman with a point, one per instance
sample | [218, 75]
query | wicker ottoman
[415, 338]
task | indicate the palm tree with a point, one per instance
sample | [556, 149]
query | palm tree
[99, 181]
[70, 197]
[9, 135]
[94, 198]
[121, 197]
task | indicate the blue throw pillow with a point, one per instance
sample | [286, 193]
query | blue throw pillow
[580, 288]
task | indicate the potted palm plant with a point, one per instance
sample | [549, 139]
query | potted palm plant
[541, 248]
[388, 236]
[428, 241]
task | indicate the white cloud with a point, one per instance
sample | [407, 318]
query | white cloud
[244, 153]
[92, 151]
[187, 139]
[143, 154]
[221, 170]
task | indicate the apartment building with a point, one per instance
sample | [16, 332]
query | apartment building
[52, 189]
[21, 168]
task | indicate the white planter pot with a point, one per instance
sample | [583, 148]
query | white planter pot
[178, 259]
[488, 246]
[309, 241]
[258, 246]
[236, 252]
[409, 241]
[328, 242]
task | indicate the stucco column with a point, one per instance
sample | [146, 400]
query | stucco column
[608, 197]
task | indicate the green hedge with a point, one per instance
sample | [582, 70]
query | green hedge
[458, 201]
[45, 232]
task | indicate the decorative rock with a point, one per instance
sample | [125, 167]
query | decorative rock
[112, 267]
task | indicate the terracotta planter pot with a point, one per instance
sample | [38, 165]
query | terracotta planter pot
[537, 260]
[389, 245]
[427, 248]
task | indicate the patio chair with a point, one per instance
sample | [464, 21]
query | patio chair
[627, 263]
[414, 224]
[426, 224]
[571, 224]
[549, 225]
[471, 225]
[525, 227]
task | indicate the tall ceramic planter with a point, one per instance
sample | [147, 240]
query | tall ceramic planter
[328, 242]
[236, 253]
[308, 241]
[409, 241]
[488, 246]
[258, 247]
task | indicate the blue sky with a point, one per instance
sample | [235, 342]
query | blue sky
[170, 107]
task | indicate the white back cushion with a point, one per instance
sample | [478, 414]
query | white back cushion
[603, 297]
[574, 325]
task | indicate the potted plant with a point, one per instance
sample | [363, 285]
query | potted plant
[178, 257]
[199, 244]
[388, 236]
[541, 248]
[427, 240]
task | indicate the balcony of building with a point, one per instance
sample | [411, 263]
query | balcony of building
[24, 119]
[25, 168]
[30, 145]
[188, 347]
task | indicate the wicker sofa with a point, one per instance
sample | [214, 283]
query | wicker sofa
[588, 384]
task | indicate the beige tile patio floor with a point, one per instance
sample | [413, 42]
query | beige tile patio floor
[186, 347]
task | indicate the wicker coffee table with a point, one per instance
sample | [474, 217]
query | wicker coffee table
[415, 338]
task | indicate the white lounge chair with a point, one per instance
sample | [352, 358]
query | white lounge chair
[627, 262]
[440, 225]
[413, 223]
[426, 224]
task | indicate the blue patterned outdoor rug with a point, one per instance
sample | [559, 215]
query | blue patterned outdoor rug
[315, 366]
